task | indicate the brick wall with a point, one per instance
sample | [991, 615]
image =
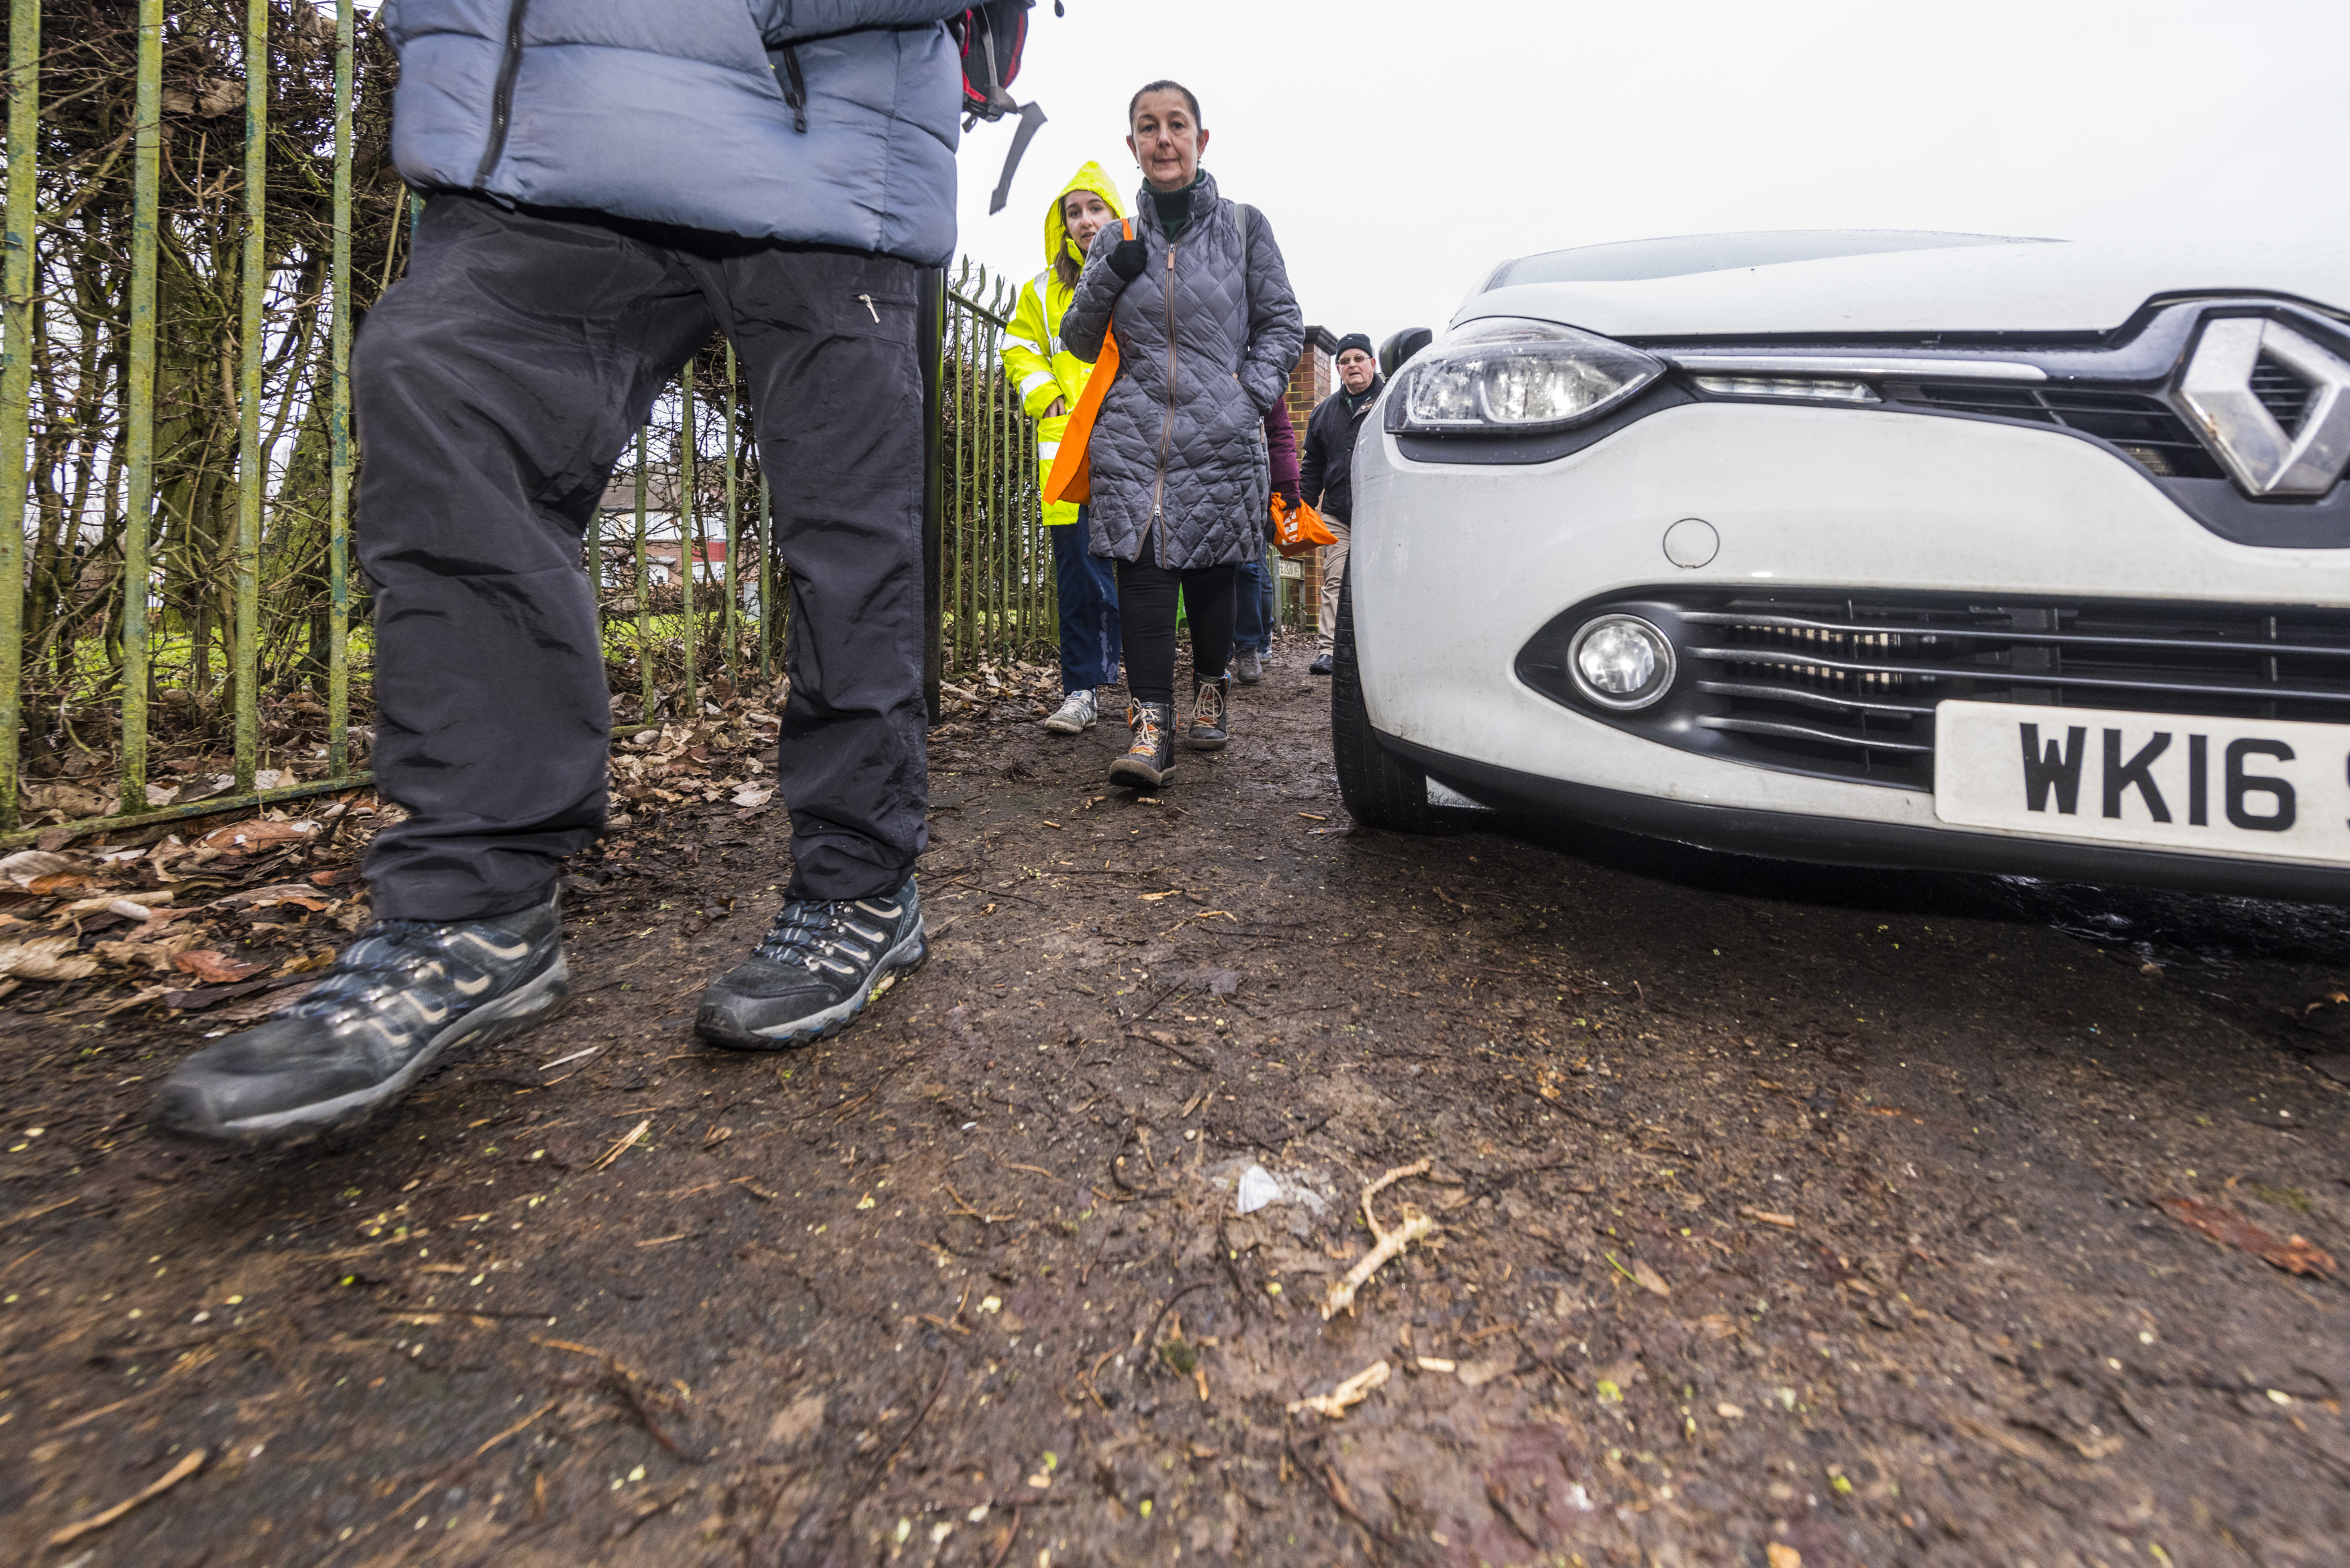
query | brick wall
[1315, 378]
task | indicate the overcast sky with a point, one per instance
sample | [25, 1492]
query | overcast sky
[1398, 150]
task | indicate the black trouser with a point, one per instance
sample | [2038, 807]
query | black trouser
[496, 385]
[1146, 613]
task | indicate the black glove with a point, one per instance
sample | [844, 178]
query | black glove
[1289, 496]
[1129, 257]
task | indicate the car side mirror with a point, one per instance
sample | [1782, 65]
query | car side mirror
[1402, 347]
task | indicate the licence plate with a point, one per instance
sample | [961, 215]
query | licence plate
[2265, 788]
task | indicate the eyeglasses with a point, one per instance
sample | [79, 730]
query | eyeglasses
[1353, 359]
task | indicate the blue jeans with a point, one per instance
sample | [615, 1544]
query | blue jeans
[1087, 587]
[1252, 610]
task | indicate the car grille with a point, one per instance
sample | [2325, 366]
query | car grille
[1845, 686]
[2282, 393]
[2145, 427]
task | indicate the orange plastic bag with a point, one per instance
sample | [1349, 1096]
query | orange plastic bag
[1072, 475]
[1299, 531]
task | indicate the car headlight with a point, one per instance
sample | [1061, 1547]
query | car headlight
[1511, 375]
[1621, 661]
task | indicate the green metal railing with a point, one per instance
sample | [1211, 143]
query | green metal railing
[198, 216]
[998, 597]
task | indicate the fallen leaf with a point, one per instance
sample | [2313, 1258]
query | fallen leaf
[2295, 1254]
[46, 957]
[1766, 1217]
[1782, 1556]
[26, 865]
[259, 833]
[1649, 1280]
[215, 968]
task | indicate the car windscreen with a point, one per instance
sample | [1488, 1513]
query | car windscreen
[1635, 261]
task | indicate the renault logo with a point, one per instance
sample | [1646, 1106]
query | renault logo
[2265, 458]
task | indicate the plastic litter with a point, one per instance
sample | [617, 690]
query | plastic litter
[1258, 1189]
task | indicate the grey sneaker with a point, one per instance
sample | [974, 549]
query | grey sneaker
[1076, 713]
[819, 964]
[1248, 668]
[396, 1002]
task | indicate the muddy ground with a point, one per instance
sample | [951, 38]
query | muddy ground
[1783, 1215]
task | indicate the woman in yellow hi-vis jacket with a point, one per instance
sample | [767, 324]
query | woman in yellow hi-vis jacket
[1050, 380]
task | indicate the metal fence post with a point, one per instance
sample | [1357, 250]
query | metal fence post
[17, 377]
[251, 463]
[733, 534]
[339, 419]
[766, 574]
[644, 596]
[139, 400]
[689, 533]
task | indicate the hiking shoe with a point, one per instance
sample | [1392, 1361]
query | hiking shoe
[396, 1002]
[1249, 668]
[1211, 716]
[1321, 666]
[811, 975]
[1075, 715]
[1149, 759]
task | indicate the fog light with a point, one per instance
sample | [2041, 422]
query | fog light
[1621, 661]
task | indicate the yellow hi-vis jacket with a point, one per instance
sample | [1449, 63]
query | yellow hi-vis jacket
[1040, 367]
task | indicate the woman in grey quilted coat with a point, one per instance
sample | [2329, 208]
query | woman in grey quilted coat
[1207, 329]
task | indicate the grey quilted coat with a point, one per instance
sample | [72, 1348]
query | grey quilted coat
[673, 111]
[1202, 355]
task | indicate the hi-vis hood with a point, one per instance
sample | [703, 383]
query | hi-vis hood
[1823, 284]
[1091, 177]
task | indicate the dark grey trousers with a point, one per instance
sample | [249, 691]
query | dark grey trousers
[496, 386]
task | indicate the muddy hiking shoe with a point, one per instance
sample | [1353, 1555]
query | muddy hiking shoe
[811, 975]
[1248, 667]
[1149, 759]
[1076, 714]
[399, 1002]
[1211, 726]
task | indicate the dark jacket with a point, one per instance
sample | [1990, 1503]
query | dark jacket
[1203, 355]
[672, 111]
[1328, 468]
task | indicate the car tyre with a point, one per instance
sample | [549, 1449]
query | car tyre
[1378, 791]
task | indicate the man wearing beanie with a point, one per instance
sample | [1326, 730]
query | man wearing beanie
[1327, 473]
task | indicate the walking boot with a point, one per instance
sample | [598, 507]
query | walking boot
[396, 1004]
[1150, 760]
[821, 962]
[1211, 716]
[1248, 667]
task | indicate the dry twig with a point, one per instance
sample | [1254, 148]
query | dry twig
[1416, 1227]
[170, 1478]
[1350, 1393]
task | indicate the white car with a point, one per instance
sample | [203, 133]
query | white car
[1883, 549]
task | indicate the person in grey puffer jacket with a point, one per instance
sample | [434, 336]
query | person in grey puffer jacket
[1208, 328]
[609, 182]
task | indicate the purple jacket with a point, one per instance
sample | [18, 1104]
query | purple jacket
[1281, 443]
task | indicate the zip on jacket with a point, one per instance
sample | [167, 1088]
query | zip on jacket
[502, 101]
[1167, 431]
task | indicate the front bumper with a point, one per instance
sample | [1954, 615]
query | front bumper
[1884, 845]
[1455, 567]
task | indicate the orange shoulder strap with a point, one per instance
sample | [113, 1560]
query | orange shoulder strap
[1071, 477]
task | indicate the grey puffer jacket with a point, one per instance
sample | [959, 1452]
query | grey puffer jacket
[673, 111]
[1203, 354]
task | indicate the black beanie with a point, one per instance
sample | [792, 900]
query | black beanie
[1354, 340]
